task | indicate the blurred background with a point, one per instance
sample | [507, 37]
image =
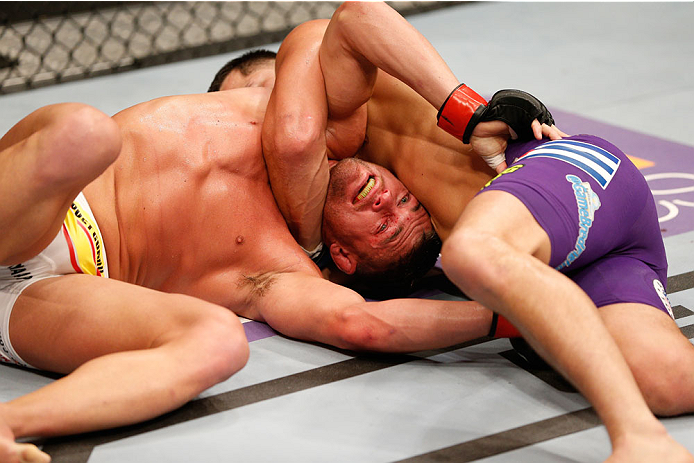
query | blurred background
[44, 43]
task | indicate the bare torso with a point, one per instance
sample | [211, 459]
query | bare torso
[442, 172]
[187, 207]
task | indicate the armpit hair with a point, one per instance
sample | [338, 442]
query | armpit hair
[257, 285]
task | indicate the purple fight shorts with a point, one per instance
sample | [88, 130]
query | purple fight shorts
[599, 214]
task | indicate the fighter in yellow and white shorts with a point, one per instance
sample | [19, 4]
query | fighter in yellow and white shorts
[78, 248]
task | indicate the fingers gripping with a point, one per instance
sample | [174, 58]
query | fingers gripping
[518, 109]
[526, 117]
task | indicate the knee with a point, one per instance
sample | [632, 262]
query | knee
[81, 141]
[667, 384]
[225, 350]
[465, 257]
[208, 339]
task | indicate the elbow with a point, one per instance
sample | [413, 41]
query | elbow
[357, 330]
[295, 135]
[348, 12]
[349, 16]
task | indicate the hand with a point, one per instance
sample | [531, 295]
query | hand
[546, 131]
[489, 140]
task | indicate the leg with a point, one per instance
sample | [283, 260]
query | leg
[131, 353]
[638, 316]
[660, 357]
[499, 259]
[45, 161]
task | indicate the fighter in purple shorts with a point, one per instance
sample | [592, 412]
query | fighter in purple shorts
[494, 249]
[607, 241]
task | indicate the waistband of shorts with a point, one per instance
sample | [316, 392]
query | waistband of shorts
[84, 239]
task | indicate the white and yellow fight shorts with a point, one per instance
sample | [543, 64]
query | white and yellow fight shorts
[78, 248]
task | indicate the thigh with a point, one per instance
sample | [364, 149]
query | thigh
[501, 214]
[60, 323]
[32, 210]
[641, 329]
[619, 279]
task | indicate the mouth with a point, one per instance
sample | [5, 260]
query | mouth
[365, 189]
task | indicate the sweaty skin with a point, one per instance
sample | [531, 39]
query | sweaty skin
[483, 254]
[180, 191]
[395, 128]
[440, 171]
[187, 207]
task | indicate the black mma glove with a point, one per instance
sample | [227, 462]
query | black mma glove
[464, 109]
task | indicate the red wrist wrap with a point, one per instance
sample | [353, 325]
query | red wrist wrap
[458, 109]
[502, 328]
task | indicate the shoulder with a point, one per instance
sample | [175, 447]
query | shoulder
[308, 29]
[247, 96]
[242, 102]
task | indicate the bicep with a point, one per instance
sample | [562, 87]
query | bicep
[307, 307]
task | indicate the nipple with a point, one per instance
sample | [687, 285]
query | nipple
[239, 239]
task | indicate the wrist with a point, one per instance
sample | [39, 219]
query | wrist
[460, 112]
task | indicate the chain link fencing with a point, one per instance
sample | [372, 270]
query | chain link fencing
[44, 43]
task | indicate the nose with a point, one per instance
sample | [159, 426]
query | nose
[384, 200]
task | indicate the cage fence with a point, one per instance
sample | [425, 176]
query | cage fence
[44, 43]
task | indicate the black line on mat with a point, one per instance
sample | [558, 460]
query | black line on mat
[680, 311]
[78, 448]
[523, 356]
[680, 282]
[540, 370]
[688, 331]
[513, 439]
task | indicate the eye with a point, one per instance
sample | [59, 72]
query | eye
[382, 227]
[405, 199]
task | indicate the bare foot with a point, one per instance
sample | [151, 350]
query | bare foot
[659, 446]
[29, 453]
[12, 452]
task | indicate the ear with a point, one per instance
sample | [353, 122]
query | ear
[344, 259]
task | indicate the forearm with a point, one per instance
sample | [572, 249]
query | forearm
[363, 36]
[293, 134]
[299, 187]
[309, 308]
[410, 325]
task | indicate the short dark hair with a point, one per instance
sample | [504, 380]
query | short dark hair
[399, 278]
[244, 63]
